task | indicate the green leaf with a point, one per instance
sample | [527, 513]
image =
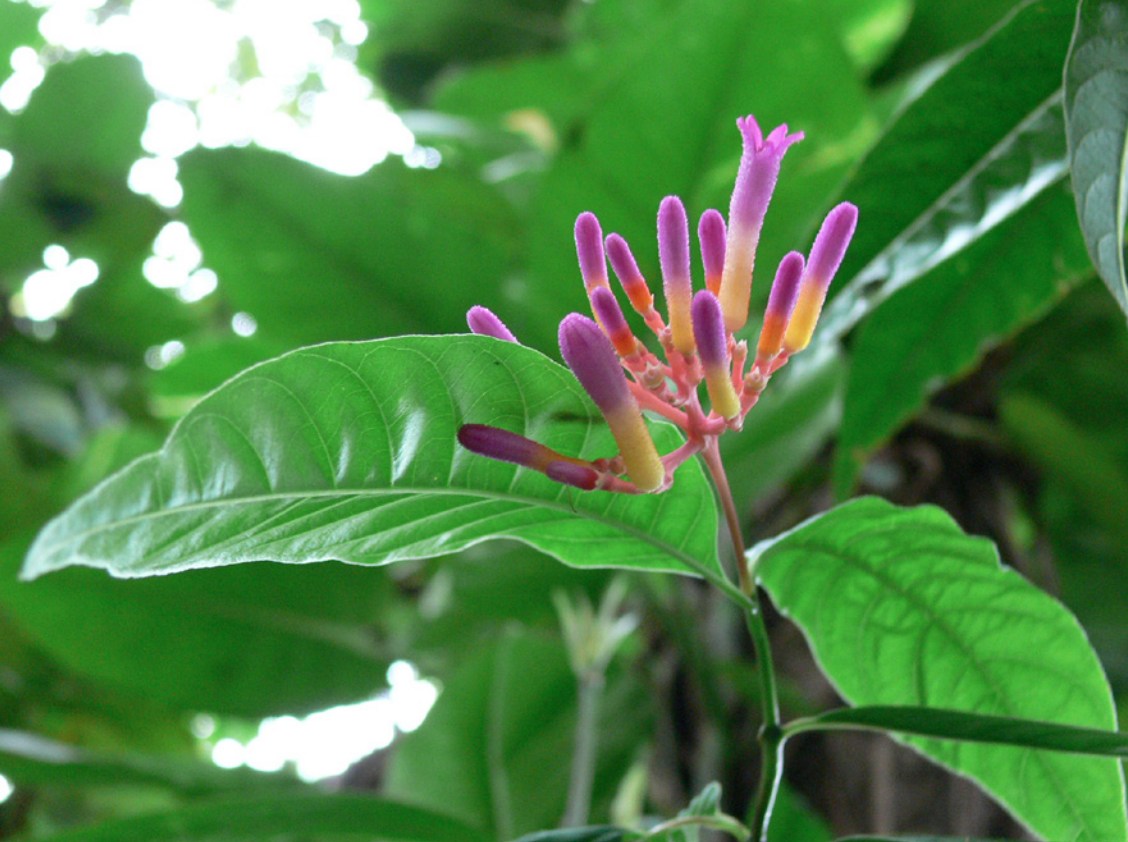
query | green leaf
[941, 326]
[495, 749]
[925, 191]
[915, 839]
[967, 727]
[250, 640]
[1096, 107]
[394, 251]
[31, 759]
[348, 451]
[900, 607]
[335, 818]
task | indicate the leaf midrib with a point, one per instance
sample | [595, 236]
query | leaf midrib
[530, 502]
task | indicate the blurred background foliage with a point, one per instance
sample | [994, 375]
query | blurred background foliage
[970, 358]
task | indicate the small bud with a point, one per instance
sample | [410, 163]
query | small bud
[610, 317]
[711, 236]
[712, 347]
[781, 302]
[755, 182]
[626, 269]
[508, 447]
[826, 256]
[673, 252]
[589, 248]
[484, 323]
[592, 359]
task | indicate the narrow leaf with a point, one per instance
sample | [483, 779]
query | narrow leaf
[968, 727]
[340, 817]
[900, 607]
[348, 451]
[1096, 108]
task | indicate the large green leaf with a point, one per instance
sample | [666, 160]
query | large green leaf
[495, 750]
[900, 607]
[939, 327]
[315, 256]
[348, 451]
[1096, 103]
[253, 640]
[326, 818]
[940, 177]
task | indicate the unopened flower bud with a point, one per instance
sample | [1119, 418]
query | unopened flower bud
[592, 359]
[484, 323]
[711, 236]
[611, 319]
[673, 252]
[626, 270]
[826, 256]
[589, 249]
[781, 302]
[712, 348]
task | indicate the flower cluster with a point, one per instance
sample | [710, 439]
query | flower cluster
[697, 336]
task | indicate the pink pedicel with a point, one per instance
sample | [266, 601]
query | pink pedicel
[781, 302]
[673, 253]
[589, 249]
[711, 236]
[484, 323]
[610, 317]
[826, 256]
[626, 270]
[755, 183]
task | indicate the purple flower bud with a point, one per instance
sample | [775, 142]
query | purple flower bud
[589, 248]
[712, 347]
[626, 269]
[610, 316]
[781, 301]
[484, 323]
[711, 236]
[673, 252]
[755, 182]
[592, 359]
[506, 446]
[826, 256]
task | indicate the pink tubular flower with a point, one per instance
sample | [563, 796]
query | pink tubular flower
[510, 447]
[693, 343]
[626, 270]
[673, 253]
[592, 359]
[610, 317]
[484, 323]
[712, 345]
[711, 235]
[781, 302]
[755, 182]
[589, 249]
[826, 256]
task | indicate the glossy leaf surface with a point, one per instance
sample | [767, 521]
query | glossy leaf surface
[348, 451]
[1096, 102]
[900, 607]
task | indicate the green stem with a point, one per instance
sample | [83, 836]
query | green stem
[771, 735]
[721, 822]
[590, 688]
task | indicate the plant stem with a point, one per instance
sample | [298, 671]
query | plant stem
[590, 688]
[771, 735]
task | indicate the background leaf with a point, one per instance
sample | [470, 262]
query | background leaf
[348, 451]
[901, 608]
[1096, 105]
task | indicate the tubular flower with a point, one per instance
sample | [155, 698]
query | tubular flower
[694, 343]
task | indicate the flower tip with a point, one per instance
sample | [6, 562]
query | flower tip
[781, 303]
[483, 322]
[711, 235]
[673, 255]
[589, 249]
